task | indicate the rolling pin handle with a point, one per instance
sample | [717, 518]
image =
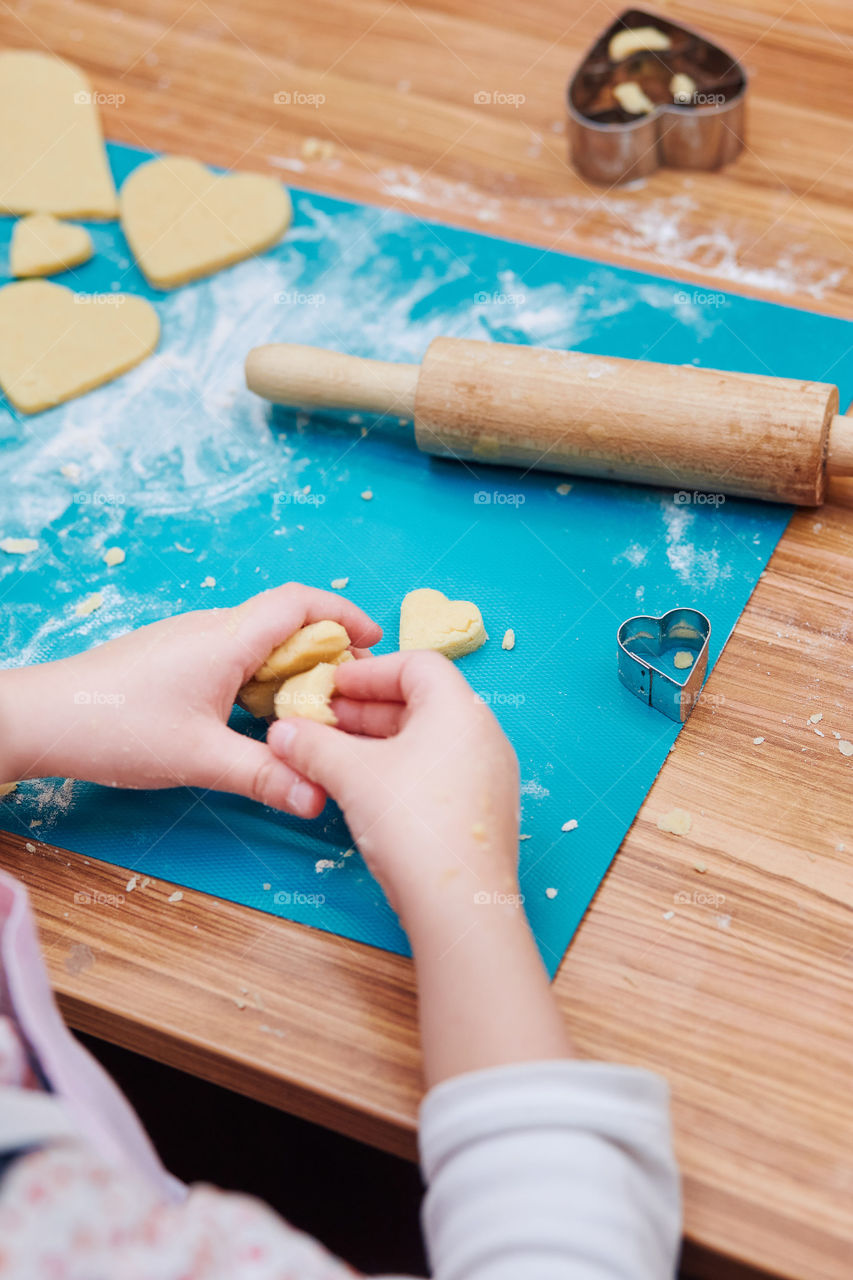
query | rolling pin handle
[304, 377]
[839, 457]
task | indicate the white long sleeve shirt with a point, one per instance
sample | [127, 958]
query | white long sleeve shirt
[556, 1170]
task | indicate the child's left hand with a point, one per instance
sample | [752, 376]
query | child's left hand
[150, 709]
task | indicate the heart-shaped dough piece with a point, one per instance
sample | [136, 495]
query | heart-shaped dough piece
[55, 344]
[428, 620]
[52, 157]
[42, 245]
[183, 221]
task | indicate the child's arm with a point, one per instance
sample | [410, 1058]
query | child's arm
[434, 809]
[538, 1166]
[150, 709]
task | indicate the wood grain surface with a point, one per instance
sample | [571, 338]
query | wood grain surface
[723, 959]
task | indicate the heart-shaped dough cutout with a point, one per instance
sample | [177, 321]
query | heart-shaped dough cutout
[428, 620]
[183, 221]
[55, 344]
[52, 157]
[42, 245]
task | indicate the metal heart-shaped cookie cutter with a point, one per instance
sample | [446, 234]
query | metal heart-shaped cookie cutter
[610, 146]
[645, 637]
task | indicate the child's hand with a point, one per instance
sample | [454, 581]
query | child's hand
[150, 709]
[426, 780]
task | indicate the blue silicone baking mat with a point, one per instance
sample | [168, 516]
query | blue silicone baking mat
[201, 482]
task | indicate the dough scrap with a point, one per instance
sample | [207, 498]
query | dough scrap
[677, 822]
[52, 157]
[18, 546]
[637, 40]
[428, 620]
[183, 221]
[683, 659]
[114, 556]
[508, 641]
[682, 87]
[6, 788]
[42, 245]
[632, 98]
[56, 344]
[89, 605]
[308, 694]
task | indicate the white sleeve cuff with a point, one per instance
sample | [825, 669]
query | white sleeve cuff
[550, 1169]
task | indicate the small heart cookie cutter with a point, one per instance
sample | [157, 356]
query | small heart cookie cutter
[644, 637]
[610, 146]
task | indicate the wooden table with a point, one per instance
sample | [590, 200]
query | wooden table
[744, 996]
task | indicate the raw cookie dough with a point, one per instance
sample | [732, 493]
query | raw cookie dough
[632, 98]
[307, 695]
[683, 659]
[319, 642]
[52, 157]
[42, 245]
[636, 40]
[55, 344]
[677, 822]
[682, 87]
[183, 221]
[428, 620]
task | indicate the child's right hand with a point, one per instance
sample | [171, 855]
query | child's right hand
[426, 779]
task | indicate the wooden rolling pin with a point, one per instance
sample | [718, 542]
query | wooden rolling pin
[736, 433]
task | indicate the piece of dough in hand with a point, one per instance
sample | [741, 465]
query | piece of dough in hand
[42, 245]
[318, 642]
[308, 694]
[183, 221]
[55, 344]
[428, 620]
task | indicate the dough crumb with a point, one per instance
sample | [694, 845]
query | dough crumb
[131, 884]
[683, 659]
[89, 605]
[18, 546]
[816, 718]
[700, 867]
[367, 495]
[266, 886]
[30, 848]
[677, 822]
[633, 40]
[845, 747]
[550, 893]
[571, 825]
[524, 837]
[682, 87]
[338, 584]
[317, 149]
[324, 864]
[563, 489]
[631, 98]
[668, 915]
[757, 741]
[177, 896]
[113, 556]
[508, 641]
[820, 733]
[208, 581]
